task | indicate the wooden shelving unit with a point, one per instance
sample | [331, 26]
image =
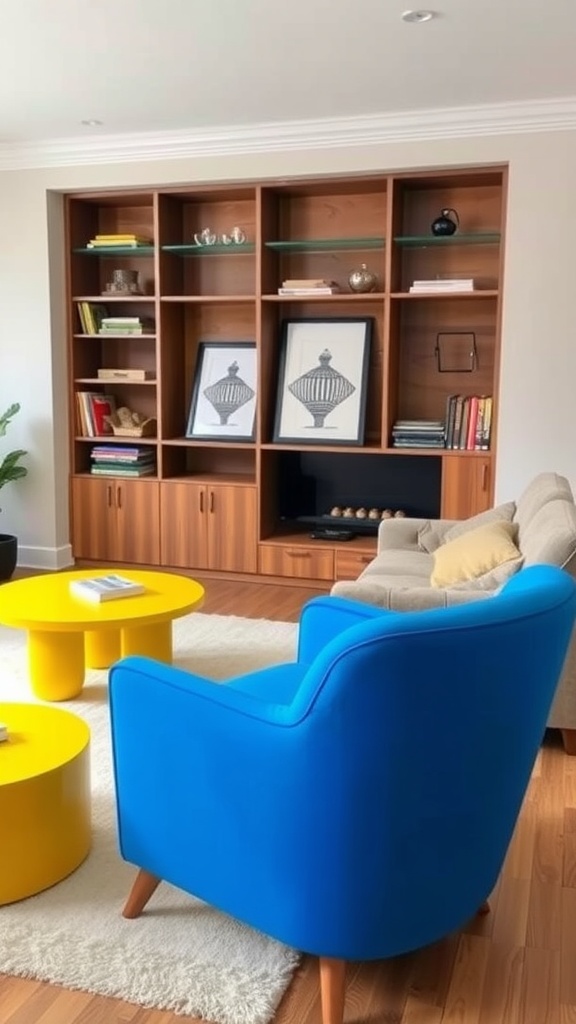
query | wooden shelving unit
[234, 507]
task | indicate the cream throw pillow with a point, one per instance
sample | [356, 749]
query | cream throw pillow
[474, 553]
[431, 535]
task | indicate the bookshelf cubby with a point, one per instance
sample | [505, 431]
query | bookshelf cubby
[249, 507]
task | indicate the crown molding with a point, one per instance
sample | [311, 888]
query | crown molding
[328, 133]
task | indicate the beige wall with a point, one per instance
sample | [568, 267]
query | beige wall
[537, 429]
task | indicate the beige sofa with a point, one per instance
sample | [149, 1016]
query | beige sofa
[544, 530]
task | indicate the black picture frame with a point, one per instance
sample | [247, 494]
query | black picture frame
[223, 401]
[323, 380]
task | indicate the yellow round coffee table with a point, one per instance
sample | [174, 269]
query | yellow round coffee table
[44, 798]
[66, 633]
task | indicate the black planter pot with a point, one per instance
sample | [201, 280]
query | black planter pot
[8, 555]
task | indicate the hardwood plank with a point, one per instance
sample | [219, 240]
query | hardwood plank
[520, 856]
[417, 1012]
[432, 971]
[463, 1000]
[511, 915]
[502, 990]
[568, 949]
[569, 862]
[541, 989]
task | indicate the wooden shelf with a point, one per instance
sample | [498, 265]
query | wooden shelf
[224, 505]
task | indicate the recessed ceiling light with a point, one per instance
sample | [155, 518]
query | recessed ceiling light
[418, 16]
[91, 122]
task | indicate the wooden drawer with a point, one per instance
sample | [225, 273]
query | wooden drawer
[349, 564]
[296, 560]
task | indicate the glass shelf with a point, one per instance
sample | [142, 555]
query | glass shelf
[327, 244]
[117, 250]
[423, 241]
[210, 250]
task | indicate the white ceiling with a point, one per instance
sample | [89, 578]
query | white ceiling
[190, 65]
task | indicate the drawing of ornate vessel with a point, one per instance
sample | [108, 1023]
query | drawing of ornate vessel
[228, 394]
[321, 389]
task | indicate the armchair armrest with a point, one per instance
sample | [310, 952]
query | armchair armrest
[324, 618]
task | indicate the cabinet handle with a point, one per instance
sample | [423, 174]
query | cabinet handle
[298, 554]
[109, 495]
[211, 509]
[485, 476]
[201, 501]
[119, 497]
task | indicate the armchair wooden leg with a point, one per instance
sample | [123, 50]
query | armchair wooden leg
[569, 740]
[332, 988]
[140, 893]
[483, 909]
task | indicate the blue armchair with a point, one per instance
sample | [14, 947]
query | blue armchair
[358, 802]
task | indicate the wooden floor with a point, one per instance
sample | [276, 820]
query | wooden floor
[515, 966]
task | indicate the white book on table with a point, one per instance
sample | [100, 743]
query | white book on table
[97, 589]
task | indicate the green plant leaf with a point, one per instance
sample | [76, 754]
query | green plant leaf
[7, 416]
[9, 467]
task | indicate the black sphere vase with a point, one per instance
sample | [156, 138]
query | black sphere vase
[446, 224]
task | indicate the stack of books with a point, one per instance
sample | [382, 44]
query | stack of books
[418, 434]
[447, 284]
[469, 422]
[118, 241]
[122, 460]
[94, 408]
[105, 588]
[308, 286]
[91, 315]
[125, 325]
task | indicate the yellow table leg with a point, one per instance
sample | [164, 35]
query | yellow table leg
[101, 647]
[56, 664]
[151, 641]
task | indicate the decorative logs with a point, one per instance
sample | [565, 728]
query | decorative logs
[349, 512]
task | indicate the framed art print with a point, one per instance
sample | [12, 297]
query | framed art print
[223, 403]
[323, 377]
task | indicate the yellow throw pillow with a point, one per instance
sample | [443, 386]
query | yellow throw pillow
[474, 553]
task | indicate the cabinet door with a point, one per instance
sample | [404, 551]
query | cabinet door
[231, 517]
[137, 522]
[297, 561]
[93, 518]
[183, 541]
[349, 564]
[466, 487]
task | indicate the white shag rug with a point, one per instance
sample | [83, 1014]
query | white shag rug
[181, 954]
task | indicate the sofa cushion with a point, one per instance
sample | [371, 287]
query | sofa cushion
[543, 488]
[400, 562]
[550, 536]
[431, 535]
[403, 599]
[475, 553]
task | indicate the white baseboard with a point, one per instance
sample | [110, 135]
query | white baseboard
[45, 558]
